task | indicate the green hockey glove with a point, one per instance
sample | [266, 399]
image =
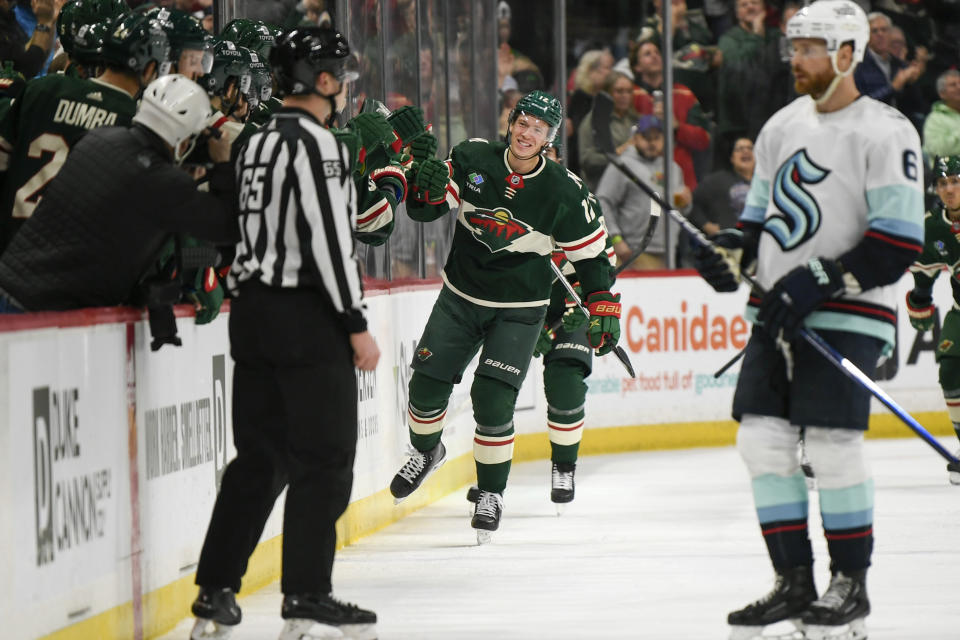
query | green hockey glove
[408, 124]
[207, 295]
[603, 332]
[424, 147]
[544, 342]
[921, 310]
[573, 318]
[430, 182]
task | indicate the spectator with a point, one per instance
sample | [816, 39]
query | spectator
[913, 103]
[592, 159]
[751, 57]
[306, 13]
[719, 199]
[590, 76]
[690, 125]
[85, 246]
[941, 130]
[509, 100]
[881, 76]
[694, 57]
[28, 22]
[626, 208]
[28, 53]
[510, 62]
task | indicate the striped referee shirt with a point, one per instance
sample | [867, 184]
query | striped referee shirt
[298, 209]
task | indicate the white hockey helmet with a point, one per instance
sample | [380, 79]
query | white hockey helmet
[836, 22]
[175, 108]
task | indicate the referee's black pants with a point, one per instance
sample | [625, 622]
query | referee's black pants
[295, 426]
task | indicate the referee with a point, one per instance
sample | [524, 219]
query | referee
[297, 330]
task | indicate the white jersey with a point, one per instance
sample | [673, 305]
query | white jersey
[825, 181]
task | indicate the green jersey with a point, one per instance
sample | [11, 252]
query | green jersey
[40, 128]
[508, 225]
[941, 250]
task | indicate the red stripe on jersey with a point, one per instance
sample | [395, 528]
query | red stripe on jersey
[584, 244]
[861, 309]
[452, 192]
[896, 243]
[384, 207]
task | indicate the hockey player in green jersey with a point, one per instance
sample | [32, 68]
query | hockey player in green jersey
[512, 206]
[941, 250]
[55, 111]
[191, 46]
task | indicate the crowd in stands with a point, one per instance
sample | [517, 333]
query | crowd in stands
[731, 72]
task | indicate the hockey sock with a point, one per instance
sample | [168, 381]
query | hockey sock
[848, 525]
[493, 403]
[427, 410]
[566, 396]
[782, 508]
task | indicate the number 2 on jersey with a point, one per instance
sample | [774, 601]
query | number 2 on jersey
[28, 196]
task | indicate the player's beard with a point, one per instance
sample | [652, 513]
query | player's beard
[813, 85]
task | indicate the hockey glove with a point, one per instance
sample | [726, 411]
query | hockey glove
[573, 318]
[408, 124]
[785, 306]
[430, 182]
[423, 148]
[921, 309]
[544, 342]
[207, 295]
[603, 331]
[720, 261]
[391, 177]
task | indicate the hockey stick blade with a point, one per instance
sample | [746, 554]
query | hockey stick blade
[836, 358]
[617, 349]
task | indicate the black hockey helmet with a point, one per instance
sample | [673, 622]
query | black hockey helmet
[300, 55]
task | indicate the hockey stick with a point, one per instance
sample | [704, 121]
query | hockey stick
[617, 349]
[835, 357]
[602, 111]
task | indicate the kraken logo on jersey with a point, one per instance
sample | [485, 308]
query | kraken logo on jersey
[799, 214]
[497, 228]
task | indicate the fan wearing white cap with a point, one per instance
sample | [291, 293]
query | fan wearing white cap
[833, 217]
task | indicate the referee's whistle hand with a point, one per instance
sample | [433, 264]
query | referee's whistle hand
[366, 354]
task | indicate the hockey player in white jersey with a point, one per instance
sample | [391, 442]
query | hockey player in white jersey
[833, 217]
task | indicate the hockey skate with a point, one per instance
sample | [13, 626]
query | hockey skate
[415, 470]
[954, 469]
[792, 592]
[486, 516]
[561, 484]
[839, 613]
[217, 614]
[313, 616]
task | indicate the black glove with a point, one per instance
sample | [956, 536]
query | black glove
[720, 261]
[797, 294]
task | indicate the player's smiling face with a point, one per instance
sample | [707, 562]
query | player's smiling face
[810, 63]
[528, 135]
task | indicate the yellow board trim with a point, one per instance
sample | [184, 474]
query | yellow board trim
[163, 608]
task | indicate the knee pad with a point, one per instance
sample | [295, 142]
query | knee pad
[563, 385]
[768, 445]
[836, 456]
[427, 404]
[493, 403]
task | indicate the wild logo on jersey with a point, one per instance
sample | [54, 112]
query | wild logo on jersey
[497, 228]
[798, 216]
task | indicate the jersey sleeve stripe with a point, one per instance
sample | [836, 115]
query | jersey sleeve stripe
[753, 214]
[581, 242]
[897, 208]
[895, 241]
[929, 270]
[377, 209]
